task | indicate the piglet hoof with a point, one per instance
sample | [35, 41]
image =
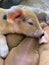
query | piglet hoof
[3, 46]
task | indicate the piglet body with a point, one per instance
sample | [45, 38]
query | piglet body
[44, 48]
[24, 54]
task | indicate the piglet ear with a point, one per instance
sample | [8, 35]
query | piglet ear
[44, 39]
[12, 15]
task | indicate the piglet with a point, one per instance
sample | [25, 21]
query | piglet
[44, 48]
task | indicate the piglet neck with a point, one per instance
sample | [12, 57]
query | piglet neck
[28, 45]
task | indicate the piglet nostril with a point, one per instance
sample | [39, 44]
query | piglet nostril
[42, 35]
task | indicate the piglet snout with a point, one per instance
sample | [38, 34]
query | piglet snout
[44, 39]
[39, 33]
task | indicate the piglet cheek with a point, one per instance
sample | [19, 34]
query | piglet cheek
[44, 39]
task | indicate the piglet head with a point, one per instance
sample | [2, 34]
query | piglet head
[24, 22]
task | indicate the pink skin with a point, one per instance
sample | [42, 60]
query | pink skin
[24, 54]
[44, 39]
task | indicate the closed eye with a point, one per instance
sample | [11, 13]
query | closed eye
[30, 23]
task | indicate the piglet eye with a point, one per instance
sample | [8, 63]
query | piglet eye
[30, 21]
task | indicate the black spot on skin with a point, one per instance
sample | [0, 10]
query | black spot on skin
[5, 17]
